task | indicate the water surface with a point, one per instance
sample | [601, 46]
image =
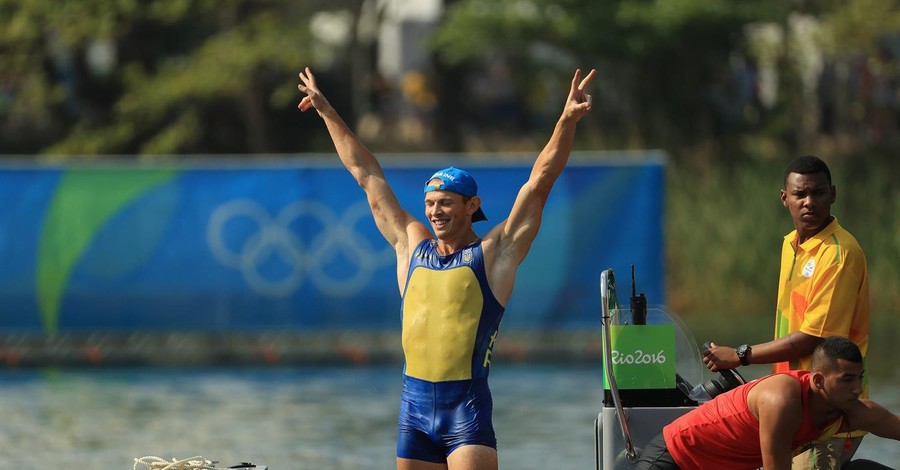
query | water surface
[294, 417]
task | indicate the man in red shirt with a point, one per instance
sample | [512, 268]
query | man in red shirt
[765, 422]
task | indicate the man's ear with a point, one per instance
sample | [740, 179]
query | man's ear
[817, 380]
[474, 204]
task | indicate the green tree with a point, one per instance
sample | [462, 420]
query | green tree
[204, 76]
[658, 60]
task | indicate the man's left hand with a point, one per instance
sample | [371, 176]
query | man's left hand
[579, 103]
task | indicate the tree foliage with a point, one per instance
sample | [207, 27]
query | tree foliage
[657, 59]
[84, 77]
[673, 73]
[206, 76]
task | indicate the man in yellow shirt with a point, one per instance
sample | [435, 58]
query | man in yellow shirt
[823, 290]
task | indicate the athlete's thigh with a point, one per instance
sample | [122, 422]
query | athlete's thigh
[410, 464]
[473, 457]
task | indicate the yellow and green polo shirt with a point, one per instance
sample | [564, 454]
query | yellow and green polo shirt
[823, 290]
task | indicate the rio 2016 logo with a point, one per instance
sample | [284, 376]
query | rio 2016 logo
[638, 357]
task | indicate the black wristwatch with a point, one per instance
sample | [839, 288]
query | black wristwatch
[743, 353]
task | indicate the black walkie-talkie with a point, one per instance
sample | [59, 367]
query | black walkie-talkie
[638, 304]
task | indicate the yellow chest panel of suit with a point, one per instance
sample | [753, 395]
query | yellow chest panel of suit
[441, 312]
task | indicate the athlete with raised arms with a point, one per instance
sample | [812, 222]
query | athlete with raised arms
[454, 285]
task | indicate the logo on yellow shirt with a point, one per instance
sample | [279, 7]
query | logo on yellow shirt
[808, 268]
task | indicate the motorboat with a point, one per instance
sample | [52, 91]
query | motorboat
[652, 374]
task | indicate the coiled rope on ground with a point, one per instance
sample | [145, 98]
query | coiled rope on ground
[191, 463]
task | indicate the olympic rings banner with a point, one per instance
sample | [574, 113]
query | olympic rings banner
[291, 245]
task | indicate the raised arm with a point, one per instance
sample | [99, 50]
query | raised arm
[512, 238]
[398, 226]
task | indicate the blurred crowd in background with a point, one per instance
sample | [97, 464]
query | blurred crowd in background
[701, 80]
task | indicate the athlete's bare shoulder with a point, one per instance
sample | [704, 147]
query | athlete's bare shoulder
[778, 391]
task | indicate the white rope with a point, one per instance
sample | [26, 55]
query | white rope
[191, 463]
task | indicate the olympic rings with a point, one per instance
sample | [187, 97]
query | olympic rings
[337, 243]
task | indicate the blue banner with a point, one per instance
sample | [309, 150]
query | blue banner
[292, 246]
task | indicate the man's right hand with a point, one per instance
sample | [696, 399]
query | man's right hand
[314, 98]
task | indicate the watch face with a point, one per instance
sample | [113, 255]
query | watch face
[742, 351]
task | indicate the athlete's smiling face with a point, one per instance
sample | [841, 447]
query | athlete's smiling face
[447, 212]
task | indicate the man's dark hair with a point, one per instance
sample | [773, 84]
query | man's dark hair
[807, 165]
[833, 348]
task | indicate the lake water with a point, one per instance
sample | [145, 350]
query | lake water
[294, 417]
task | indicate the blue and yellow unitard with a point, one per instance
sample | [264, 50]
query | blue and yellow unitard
[450, 322]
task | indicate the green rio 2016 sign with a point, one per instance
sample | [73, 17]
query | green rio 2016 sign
[643, 356]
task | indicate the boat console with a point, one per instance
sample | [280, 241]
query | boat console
[652, 374]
